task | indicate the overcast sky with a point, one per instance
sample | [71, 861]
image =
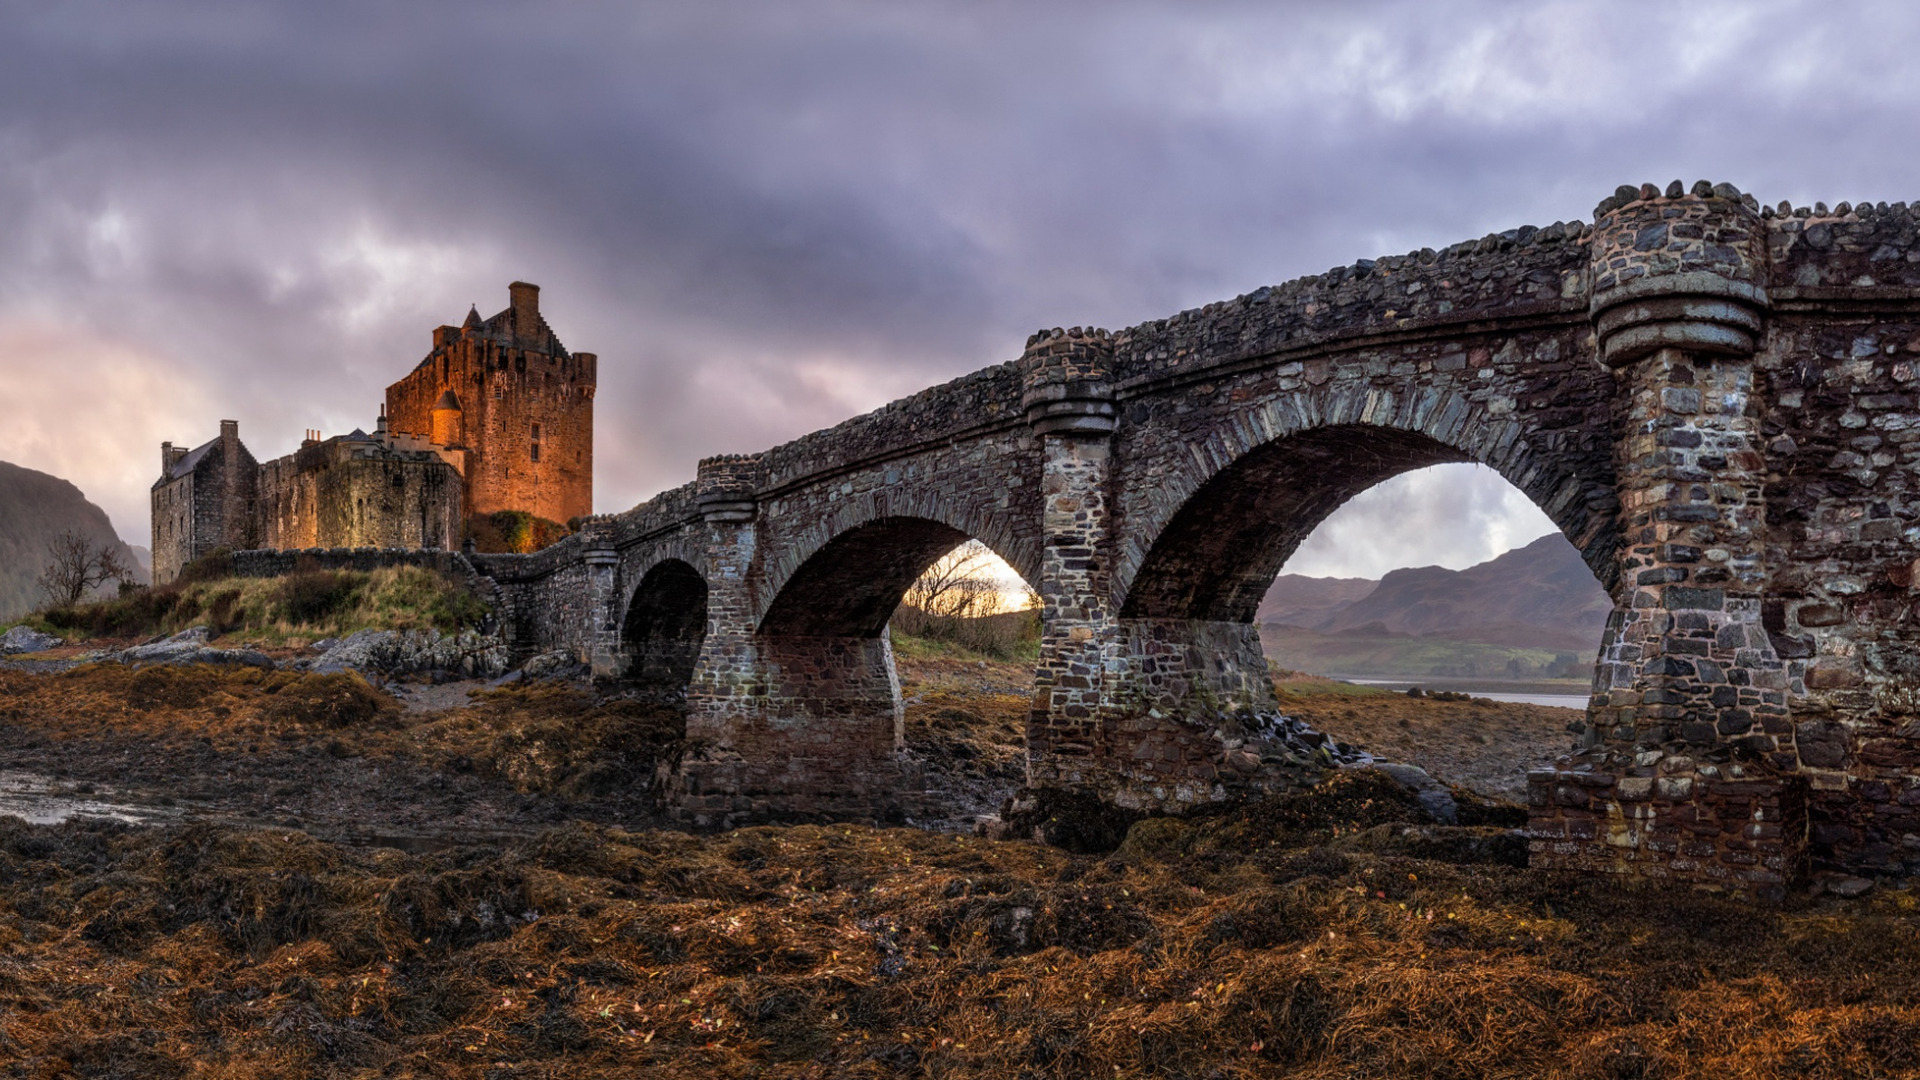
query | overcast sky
[766, 218]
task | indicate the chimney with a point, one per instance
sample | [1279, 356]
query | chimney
[526, 306]
[230, 439]
[168, 456]
[380, 428]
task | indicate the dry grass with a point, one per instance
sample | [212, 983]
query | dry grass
[543, 739]
[1241, 945]
[1330, 935]
[1476, 742]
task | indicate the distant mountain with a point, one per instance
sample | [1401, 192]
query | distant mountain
[1541, 596]
[1310, 602]
[35, 508]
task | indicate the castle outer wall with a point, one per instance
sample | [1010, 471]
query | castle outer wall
[346, 493]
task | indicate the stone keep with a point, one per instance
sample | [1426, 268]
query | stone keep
[512, 404]
[1712, 400]
[499, 416]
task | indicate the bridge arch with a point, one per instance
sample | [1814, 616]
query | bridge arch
[845, 574]
[665, 626]
[1226, 519]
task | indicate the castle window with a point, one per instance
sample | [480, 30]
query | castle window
[536, 433]
[496, 392]
[536, 451]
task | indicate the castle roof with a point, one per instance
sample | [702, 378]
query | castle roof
[186, 464]
[504, 328]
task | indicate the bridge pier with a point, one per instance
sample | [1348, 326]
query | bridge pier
[602, 630]
[781, 726]
[1069, 405]
[1686, 768]
[1150, 713]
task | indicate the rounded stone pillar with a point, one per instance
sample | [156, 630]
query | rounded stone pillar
[1067, 382]
[601, 557]
[724, 490]
[1685, 770]
[1679, 270]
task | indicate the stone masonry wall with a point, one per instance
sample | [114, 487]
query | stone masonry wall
[343, 493]
[1713, 400]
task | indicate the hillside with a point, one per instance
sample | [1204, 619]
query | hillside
[1517, 615]
[1540, 596]
[35, 507]
[1296, 600]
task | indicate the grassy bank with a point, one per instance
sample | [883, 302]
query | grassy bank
[1009, 635]
[301, 606]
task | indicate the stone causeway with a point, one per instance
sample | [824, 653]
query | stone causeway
[1715, 401]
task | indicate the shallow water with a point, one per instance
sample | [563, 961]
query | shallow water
[1557, 701]
[41, 800]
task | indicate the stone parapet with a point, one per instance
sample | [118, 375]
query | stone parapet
[969, 406]
[1529, 274]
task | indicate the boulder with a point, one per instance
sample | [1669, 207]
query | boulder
[558, 664]
[416, 652]
[25, 639]
[168, 650]
[1433, 795]
[190, 646]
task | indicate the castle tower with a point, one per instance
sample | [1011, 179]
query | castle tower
[508, 393]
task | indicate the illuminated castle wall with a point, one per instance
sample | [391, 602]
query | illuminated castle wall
[499, 416]
[507, 396]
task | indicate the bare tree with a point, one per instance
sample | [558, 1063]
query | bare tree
[957, 586]
[962, 600]
[76, 566]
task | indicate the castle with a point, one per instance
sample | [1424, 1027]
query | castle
[498, 416]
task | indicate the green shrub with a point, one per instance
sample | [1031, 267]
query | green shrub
[513, 531]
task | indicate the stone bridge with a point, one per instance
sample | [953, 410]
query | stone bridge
[1714, 401]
